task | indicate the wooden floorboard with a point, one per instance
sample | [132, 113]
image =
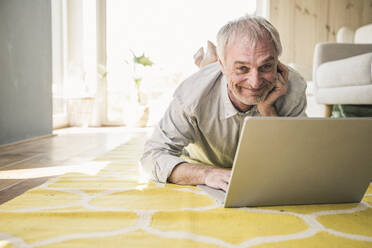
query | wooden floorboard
[33, 146]
[7, 183]
[25, 165]
[20, 187]
[10, 159]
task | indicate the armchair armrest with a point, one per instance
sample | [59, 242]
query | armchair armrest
[325, 52]
[348, 72]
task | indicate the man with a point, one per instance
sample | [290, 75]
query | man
[205, 118]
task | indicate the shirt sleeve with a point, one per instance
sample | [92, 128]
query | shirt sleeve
[294, 103]
[299, 109]
[163, 150]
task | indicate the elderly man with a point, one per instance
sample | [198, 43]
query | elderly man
[205, 118]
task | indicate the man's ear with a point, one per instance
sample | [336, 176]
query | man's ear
[221, 65]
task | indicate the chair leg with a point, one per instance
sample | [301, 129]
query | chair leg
[328, 110]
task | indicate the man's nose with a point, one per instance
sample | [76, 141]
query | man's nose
[254, 79]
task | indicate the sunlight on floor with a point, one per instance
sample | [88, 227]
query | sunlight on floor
[88, 130]
[89, 168]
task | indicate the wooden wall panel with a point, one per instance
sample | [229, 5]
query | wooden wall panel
[304, 23]
[309, 17]
[285, 26]
[367, 12]
[344, 13]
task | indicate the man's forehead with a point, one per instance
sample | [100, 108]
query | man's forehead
[250, 44]
[269, 58]
[250, 39]
[241, 49]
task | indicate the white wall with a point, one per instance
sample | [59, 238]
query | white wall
[25, 69]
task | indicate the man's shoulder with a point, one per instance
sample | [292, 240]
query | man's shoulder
[297, 84]
[196, 87]
[296, 94]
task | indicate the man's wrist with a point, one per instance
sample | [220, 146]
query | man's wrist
[267, 110]
[205, 173]
[189, 174]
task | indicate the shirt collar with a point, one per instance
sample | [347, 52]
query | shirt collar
[229, 109]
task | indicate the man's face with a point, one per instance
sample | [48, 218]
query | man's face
[251, 71]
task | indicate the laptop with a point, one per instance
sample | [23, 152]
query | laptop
[290, 161]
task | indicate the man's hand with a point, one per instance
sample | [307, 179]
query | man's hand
[266, 108]
[218, 178]
[196, 174]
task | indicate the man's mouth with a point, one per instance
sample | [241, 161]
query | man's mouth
[250, 90]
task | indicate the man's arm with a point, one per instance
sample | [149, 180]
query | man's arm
[161, 159]
[163, 150]
[196, 174]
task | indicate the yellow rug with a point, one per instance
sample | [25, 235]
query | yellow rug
[109, 205]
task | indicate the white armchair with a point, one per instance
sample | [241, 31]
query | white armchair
[342, 72]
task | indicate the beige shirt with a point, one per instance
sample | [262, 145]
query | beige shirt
[202, 119]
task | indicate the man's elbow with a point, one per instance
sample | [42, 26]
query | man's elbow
[147, 166]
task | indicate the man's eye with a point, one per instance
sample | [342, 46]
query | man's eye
[242, 69]
[267, 67]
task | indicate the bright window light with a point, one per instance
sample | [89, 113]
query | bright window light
[168, 32]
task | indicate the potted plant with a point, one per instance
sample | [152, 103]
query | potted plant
[138, 63]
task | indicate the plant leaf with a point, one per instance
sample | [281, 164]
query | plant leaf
[143, 60]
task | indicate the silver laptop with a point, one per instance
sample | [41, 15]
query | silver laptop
[287, 161]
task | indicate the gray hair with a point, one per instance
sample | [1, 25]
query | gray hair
[254, 28]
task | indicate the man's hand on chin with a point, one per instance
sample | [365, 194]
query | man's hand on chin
[266, 108]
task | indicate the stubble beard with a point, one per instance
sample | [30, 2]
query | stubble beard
[253, 100]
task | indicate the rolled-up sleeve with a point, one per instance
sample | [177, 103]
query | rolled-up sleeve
[163, 150]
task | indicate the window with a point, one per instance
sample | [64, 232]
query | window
[169, 33]
[74, 47]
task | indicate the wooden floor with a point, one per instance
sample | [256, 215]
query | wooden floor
[25, 165]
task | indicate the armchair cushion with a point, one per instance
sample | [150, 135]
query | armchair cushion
[345, 35]
[353, 71]
[361, 94]
[363, 34]
[356, 91]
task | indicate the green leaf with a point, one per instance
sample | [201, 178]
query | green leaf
[143, 60]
